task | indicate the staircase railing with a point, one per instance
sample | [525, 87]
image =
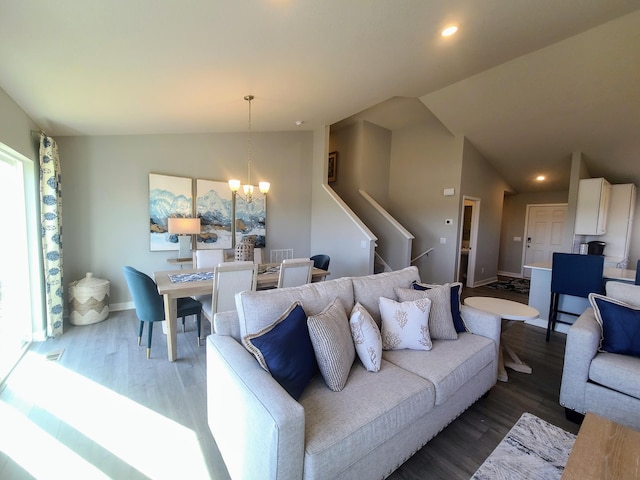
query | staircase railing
[426, 252]
[393, 246]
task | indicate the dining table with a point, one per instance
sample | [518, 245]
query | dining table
[174, 284]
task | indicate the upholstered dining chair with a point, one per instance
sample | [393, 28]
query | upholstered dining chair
[149, 304]
[207, 258]
[228, 279]
[321, 261]
[294, 272]
[574, 275]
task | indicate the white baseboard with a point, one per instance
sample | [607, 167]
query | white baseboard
[509, 274]
[486, 281]
[117, 307]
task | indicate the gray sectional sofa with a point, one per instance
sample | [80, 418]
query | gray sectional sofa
[365, 431]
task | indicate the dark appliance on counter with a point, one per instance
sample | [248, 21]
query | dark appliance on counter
[596, 248]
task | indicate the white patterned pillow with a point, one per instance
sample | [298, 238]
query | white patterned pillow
[405, 325]
[332, 343]
[441, 325]
[366, 337]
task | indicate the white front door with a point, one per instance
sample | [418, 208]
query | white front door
[545, 233]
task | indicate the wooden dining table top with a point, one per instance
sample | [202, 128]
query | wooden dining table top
[267, 277]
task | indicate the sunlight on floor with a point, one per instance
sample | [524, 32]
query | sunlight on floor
[152, 444]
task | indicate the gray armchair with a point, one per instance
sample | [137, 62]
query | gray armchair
[607, 384]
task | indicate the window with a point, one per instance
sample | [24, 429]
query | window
[20, 291]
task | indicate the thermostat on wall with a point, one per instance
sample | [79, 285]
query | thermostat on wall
[449, 192]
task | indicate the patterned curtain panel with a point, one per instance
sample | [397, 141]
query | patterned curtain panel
[51, 224]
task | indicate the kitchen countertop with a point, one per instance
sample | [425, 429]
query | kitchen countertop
[609, 272]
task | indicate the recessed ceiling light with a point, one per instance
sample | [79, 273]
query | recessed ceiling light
[299, 122]
[447, 32]
[540, 178]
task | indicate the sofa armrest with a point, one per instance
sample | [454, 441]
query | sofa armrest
[583, 341]
[258, 427]
[482, 323]
[227, 323]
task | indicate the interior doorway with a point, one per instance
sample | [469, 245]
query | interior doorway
[468, 238]
[544, 234]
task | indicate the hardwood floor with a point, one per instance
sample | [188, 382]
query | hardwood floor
[104, 411]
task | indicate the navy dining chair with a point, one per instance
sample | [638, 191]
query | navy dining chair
[638, 273]
[321, 261]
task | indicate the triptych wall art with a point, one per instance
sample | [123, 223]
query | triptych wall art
[171, 196]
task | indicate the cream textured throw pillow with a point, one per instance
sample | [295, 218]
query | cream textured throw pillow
[405, 325]
[366, 337]
[332, 343]
[440, 319]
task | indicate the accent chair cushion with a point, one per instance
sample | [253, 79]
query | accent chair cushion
[440, 319]
[620, 325]
[456, 294]
[284, 349]
[406, 324]
[332, 343]
[366, 338]
[625, 292]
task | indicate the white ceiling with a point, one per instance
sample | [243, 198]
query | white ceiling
[528, 82]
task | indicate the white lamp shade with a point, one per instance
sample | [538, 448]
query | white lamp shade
[184, 225]
[248, 189]
[264, 187]
[234, 185]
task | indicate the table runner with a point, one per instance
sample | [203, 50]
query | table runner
[190, 277]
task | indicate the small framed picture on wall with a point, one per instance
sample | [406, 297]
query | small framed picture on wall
[333, 167]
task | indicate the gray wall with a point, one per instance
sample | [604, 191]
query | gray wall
[334, 230]
[481, 180]
[425, 159]
[15, 128]
[106, 194]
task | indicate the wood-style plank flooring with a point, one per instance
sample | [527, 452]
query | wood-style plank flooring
[104, 411]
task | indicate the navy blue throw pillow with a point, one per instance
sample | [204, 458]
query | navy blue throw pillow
[287, 351]
[456, 288]
[620, 326]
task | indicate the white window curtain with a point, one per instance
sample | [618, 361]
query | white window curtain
[51, 223]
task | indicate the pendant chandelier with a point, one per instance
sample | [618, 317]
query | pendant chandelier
[247, 189]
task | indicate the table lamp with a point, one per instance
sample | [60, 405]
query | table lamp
[184, 228]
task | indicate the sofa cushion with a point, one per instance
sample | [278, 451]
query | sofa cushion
[617, 372]
[456, 294]
[284, 349]
[620, 325]
[257, 309]
[341, 428]
[406, 324]
[440, 319]
[448, 365]
[368, 289]
[366, 338]
[625, 292]
[332, 343]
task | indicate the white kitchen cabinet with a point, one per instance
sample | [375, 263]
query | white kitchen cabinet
[593, 206]
[622, 205]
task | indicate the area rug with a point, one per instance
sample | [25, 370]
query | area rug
[510, 284]
[532, 450]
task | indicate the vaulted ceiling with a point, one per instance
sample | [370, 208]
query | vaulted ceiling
[527, 82]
